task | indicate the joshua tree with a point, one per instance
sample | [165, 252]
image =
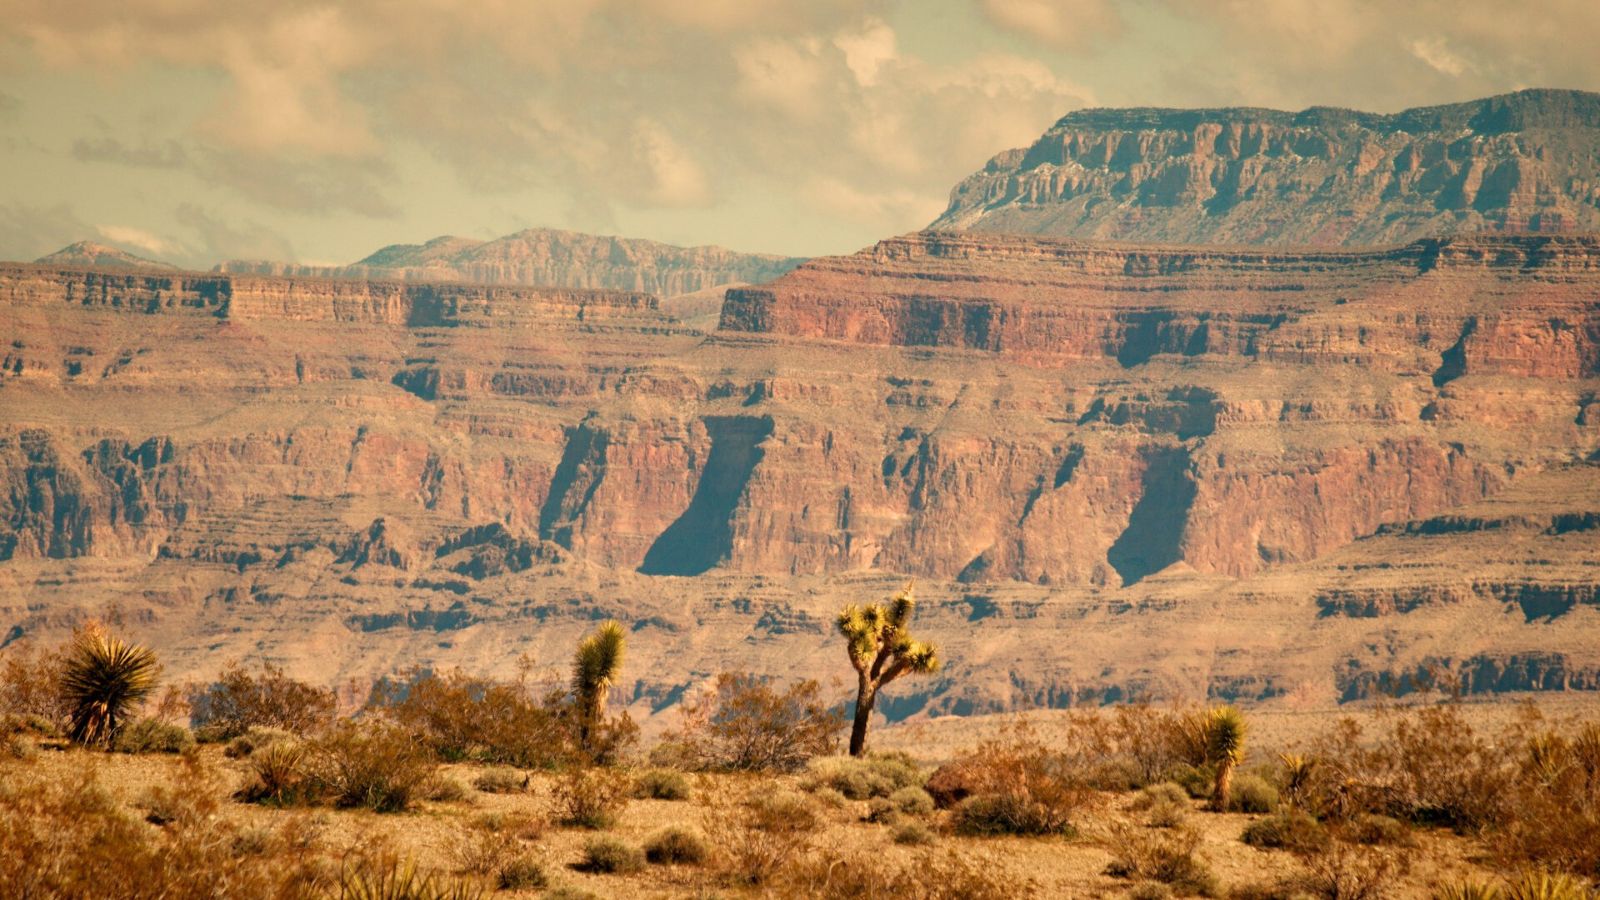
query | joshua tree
[102, 681]
[881, 649]
[594, 670]
[1224, 731]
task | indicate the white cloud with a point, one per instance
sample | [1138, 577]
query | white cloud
[138, 238]
[1436, 54]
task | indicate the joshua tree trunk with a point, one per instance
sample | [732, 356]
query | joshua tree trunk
[1224, 786]
[866, 696]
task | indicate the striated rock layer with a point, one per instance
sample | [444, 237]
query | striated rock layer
[1522, 162]
[1266, 476]
[546, 256]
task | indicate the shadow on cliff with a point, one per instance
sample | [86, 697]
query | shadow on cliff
[1152, 540]
[703, 535]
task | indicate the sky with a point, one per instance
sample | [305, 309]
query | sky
[195, 131]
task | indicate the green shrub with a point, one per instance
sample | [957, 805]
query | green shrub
[876, 775]
[914, 833]
[677, 845]
[523, 873]
[501, 780]
[152, 736]
[1252, 794]
[253, 740]
[1165, 805]
[611, 856]
[1197, 780]
[1287, 829]
[1368, 828]
[661, 784]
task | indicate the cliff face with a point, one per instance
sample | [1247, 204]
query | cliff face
[548, 257]
[1245, 475]
[1523, 162]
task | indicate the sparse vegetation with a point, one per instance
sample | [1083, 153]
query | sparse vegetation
[500, 780]
[1167, 856]
[744, 724]
[591, 797]
[612, 856]
[267, 698]
[661, 784]
[677, 846]
[1019, 786]
[152, 736]
[881, 649]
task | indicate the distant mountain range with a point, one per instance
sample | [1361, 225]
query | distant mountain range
[1522, 162]
[550, 257]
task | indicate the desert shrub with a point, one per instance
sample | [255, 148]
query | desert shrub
[661, 784]
[611, 856]
[568, 892]
[30, 687]
[908, 801]
[829, 797]
[677, 845]
[371, 764]
[446, 789]
[281, 776]
[103, 680]
[1287, 829]
[483, 854]
[744, 724]
[1196, 780]
[1252, 794]
[1019, 787]
[521, 825]
[18, 746]
[501, 780]
[1341, 871]
[1369, 828]
[1541, 885]
[1555, 810]
[60, 837]
[875, 775]
[388, 878]
[467, 718]
[914, 833]
[591, 797]
[1167, 855]
[152, 736]
[254, 739]
[763, 835]
[929, 875]
[522, 873]
[241, 699]
[1467, 890]
[1164, 805]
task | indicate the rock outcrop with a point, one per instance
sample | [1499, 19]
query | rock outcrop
[550, 258]
[1263, 476]
[1522, 162]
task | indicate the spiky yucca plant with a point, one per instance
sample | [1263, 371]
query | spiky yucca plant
[881, 649]
[1541, 885]
[595, 668]
[1225, 731]
[1467, 890]
[103, 680]
[1298, 770]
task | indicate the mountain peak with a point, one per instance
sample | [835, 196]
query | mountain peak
[99, 256]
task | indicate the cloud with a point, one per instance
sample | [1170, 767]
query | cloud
[1436, 54]
[138, 238]
[9, 107]
[1066, 24]
[219, 239]
[28, 232]
[616, 104]
[168, 154]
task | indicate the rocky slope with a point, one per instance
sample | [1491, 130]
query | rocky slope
[88, 254]
[544, 256]
[1275, 477]
[1523, 162]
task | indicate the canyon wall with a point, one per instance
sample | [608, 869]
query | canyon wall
[1521, 162]
[1263, 476]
